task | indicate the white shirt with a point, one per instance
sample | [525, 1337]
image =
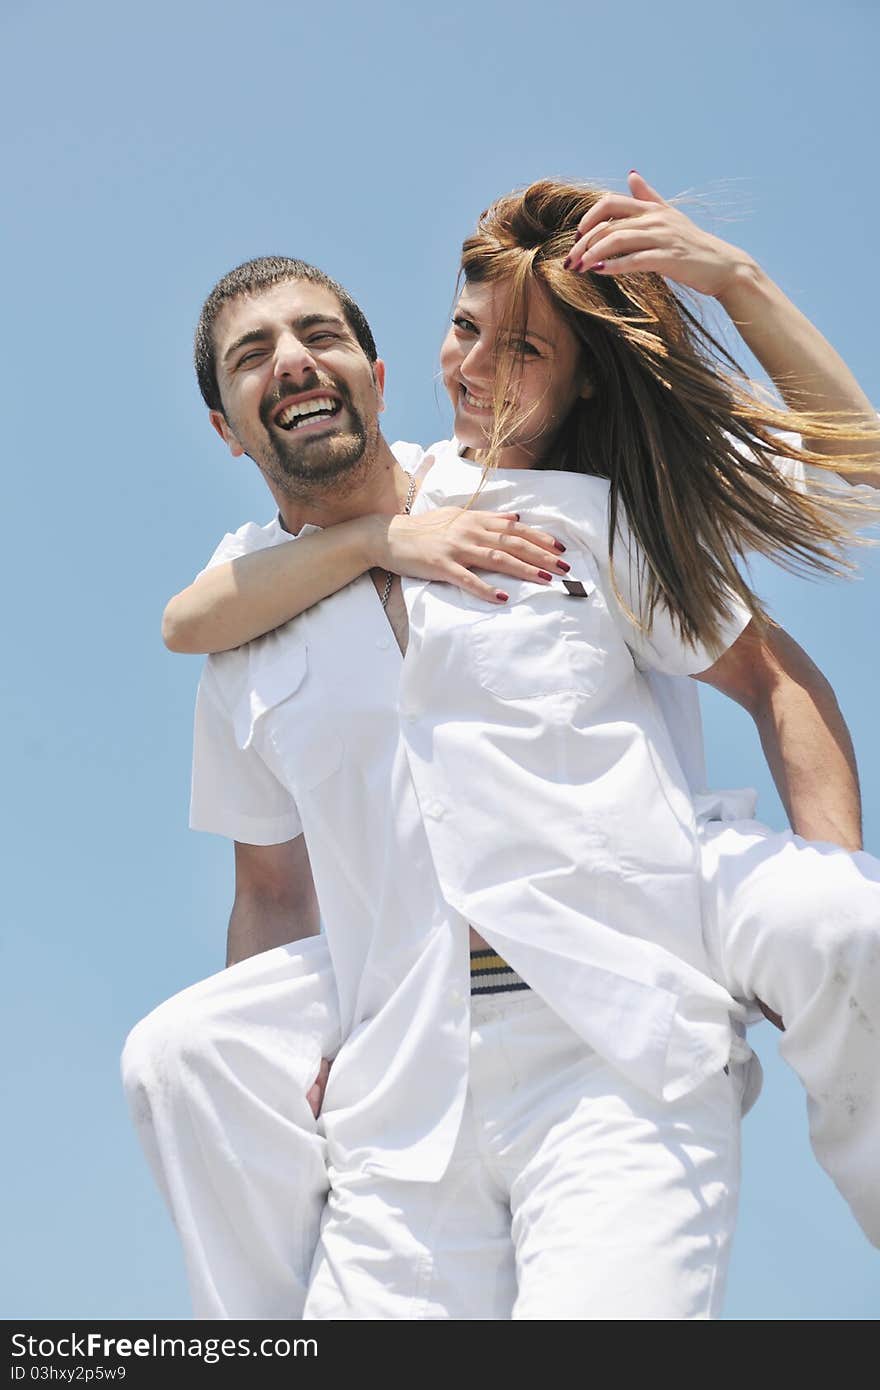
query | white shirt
[512, 771]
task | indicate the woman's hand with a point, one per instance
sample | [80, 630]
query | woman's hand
[449, 543]
[644, 232]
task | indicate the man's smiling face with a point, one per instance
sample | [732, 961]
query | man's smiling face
[299, 395]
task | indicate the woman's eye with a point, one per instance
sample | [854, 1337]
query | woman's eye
[527, 349]
[466, 325]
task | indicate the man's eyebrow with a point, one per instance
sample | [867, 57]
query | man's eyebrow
[310, 320]
[258, 335]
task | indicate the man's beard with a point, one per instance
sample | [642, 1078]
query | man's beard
[300, 468]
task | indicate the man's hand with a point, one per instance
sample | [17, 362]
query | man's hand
[315, 1096]
[770, 1016]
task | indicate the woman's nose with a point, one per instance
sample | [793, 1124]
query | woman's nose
[478, 365]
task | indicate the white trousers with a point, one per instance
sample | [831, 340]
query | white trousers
[216, 1080]
[571, 1194]
[216, 1077]
[796, 924]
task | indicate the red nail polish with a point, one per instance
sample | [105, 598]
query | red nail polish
[633, 171]
[542, 574]
[561, 565]
[566, 264]
[499, 594]
[600, 265]
[557, 545]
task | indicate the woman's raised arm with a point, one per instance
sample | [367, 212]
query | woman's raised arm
[808, 373]
[232, 603]
[643, 232]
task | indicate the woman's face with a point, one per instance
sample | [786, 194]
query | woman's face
[551, 381]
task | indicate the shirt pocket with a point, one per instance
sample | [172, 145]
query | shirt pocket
[286, 718]
[548, 642]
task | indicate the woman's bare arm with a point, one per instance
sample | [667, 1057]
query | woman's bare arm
[808, 373]
[235, 602]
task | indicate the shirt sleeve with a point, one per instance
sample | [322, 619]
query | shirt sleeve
[233, 791]
[663, 648]
[244, 541]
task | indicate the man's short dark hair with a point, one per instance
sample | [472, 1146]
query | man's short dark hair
[250, 278]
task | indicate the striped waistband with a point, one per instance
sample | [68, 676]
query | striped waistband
[490, 974]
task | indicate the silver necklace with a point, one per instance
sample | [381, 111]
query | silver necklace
[389, 576]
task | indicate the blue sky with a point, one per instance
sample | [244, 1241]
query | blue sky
[147, 150]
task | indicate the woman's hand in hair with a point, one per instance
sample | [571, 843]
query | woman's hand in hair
[449, 543]
[623, 235]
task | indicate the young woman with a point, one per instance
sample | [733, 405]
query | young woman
[554, 371]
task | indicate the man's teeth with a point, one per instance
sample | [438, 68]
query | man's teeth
[295, 414]
[475, 401]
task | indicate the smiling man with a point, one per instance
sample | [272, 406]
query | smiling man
[358, 788]
[278, 426]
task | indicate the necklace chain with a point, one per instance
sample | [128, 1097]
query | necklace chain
[389, 580]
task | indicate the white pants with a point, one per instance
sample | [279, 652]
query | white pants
[216, 1077]
[796, 924]
[571, 1194]
[216, 1080]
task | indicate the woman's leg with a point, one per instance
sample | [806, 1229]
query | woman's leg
[216, 1081]
[796, 924]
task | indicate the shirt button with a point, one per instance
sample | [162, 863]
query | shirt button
[436, 809]
[410, 716]
[456, 996]
[383, 642]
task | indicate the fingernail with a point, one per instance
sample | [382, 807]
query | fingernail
[633, 171]
[566, 264]
[600, 265]
[557, 545]
[542, 574]
[561, 565]
[516, 514]
[501, 596]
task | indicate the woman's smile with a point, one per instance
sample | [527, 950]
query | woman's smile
[478, 405]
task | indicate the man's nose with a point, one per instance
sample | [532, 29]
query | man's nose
[293, 359]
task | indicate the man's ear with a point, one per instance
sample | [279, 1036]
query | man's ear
[221, 425]
[379, 378]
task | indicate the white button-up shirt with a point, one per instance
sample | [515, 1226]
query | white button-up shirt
[514, 772]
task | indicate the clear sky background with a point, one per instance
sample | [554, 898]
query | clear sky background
[145, 151]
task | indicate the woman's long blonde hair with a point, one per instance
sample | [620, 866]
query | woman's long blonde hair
[686, 445]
